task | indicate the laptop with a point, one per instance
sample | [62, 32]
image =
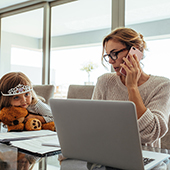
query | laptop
[103, 132]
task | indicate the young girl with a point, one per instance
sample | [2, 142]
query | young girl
[16, 90]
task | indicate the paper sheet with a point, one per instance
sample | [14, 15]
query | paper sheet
[14, 136]
[53, 143]
[35, 145]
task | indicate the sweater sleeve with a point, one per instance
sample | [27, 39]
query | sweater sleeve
[153, 124]
[41, 109]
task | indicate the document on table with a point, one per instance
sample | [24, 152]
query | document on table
[15, 136]
[34, 145]
[53, 143]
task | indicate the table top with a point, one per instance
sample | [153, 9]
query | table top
[149, 148]
[12, 158]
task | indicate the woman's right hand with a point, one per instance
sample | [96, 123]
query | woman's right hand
[133, 71]
[61, 158]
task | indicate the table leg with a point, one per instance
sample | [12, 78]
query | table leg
[43, 164]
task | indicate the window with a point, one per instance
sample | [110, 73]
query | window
[66, 65]
[21, 45]
[28, 61]
[151, 18]
[156, 61]
[76, 37]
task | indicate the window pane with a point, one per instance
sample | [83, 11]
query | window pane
[156, 61]
[143, 11]
[32, 69]
[77, 41]
[21, 44]
[151, 20]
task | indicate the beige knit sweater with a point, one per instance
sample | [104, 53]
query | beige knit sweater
[155, 92]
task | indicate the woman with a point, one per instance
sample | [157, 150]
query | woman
[149, 93]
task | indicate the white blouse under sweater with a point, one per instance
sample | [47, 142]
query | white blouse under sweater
[42, 109]
[155, 93]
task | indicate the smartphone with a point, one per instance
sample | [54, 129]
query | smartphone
[132, 51]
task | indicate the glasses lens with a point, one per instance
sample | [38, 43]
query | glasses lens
[113, 55]
[106, 58]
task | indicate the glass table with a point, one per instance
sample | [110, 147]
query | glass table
[12, 158]
[164, 165]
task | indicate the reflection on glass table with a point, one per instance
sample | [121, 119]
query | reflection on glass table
[12, 158]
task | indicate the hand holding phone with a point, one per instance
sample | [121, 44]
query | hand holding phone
[132, 51]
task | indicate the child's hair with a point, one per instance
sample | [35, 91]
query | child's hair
[11, 80]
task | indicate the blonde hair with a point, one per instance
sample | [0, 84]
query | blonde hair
[11, 80]
[127, 37]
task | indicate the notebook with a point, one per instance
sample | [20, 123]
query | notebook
[103, 132]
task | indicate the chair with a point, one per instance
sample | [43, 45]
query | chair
[80, 91]
[165, 141]
[45, 91]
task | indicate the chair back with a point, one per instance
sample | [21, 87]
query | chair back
[80, 91]
[45, 91]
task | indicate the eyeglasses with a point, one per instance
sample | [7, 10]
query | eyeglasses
[113, 55]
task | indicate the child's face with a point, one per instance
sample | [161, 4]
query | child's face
[22, 100]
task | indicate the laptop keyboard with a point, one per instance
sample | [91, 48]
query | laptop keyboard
[147, 160]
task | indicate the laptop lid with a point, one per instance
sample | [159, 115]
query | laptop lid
[104, 132]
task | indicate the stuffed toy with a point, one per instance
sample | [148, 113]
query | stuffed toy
[14, 118]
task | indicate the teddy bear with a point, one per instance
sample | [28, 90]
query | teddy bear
[14, 118]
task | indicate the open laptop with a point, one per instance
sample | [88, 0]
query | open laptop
[103, 132]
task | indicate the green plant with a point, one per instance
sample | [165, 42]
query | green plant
[88, 67]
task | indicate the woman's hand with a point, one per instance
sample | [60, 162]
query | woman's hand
[61, 158]
[132, 81]
[133, 71]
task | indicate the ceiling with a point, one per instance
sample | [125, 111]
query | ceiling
[79, 16]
